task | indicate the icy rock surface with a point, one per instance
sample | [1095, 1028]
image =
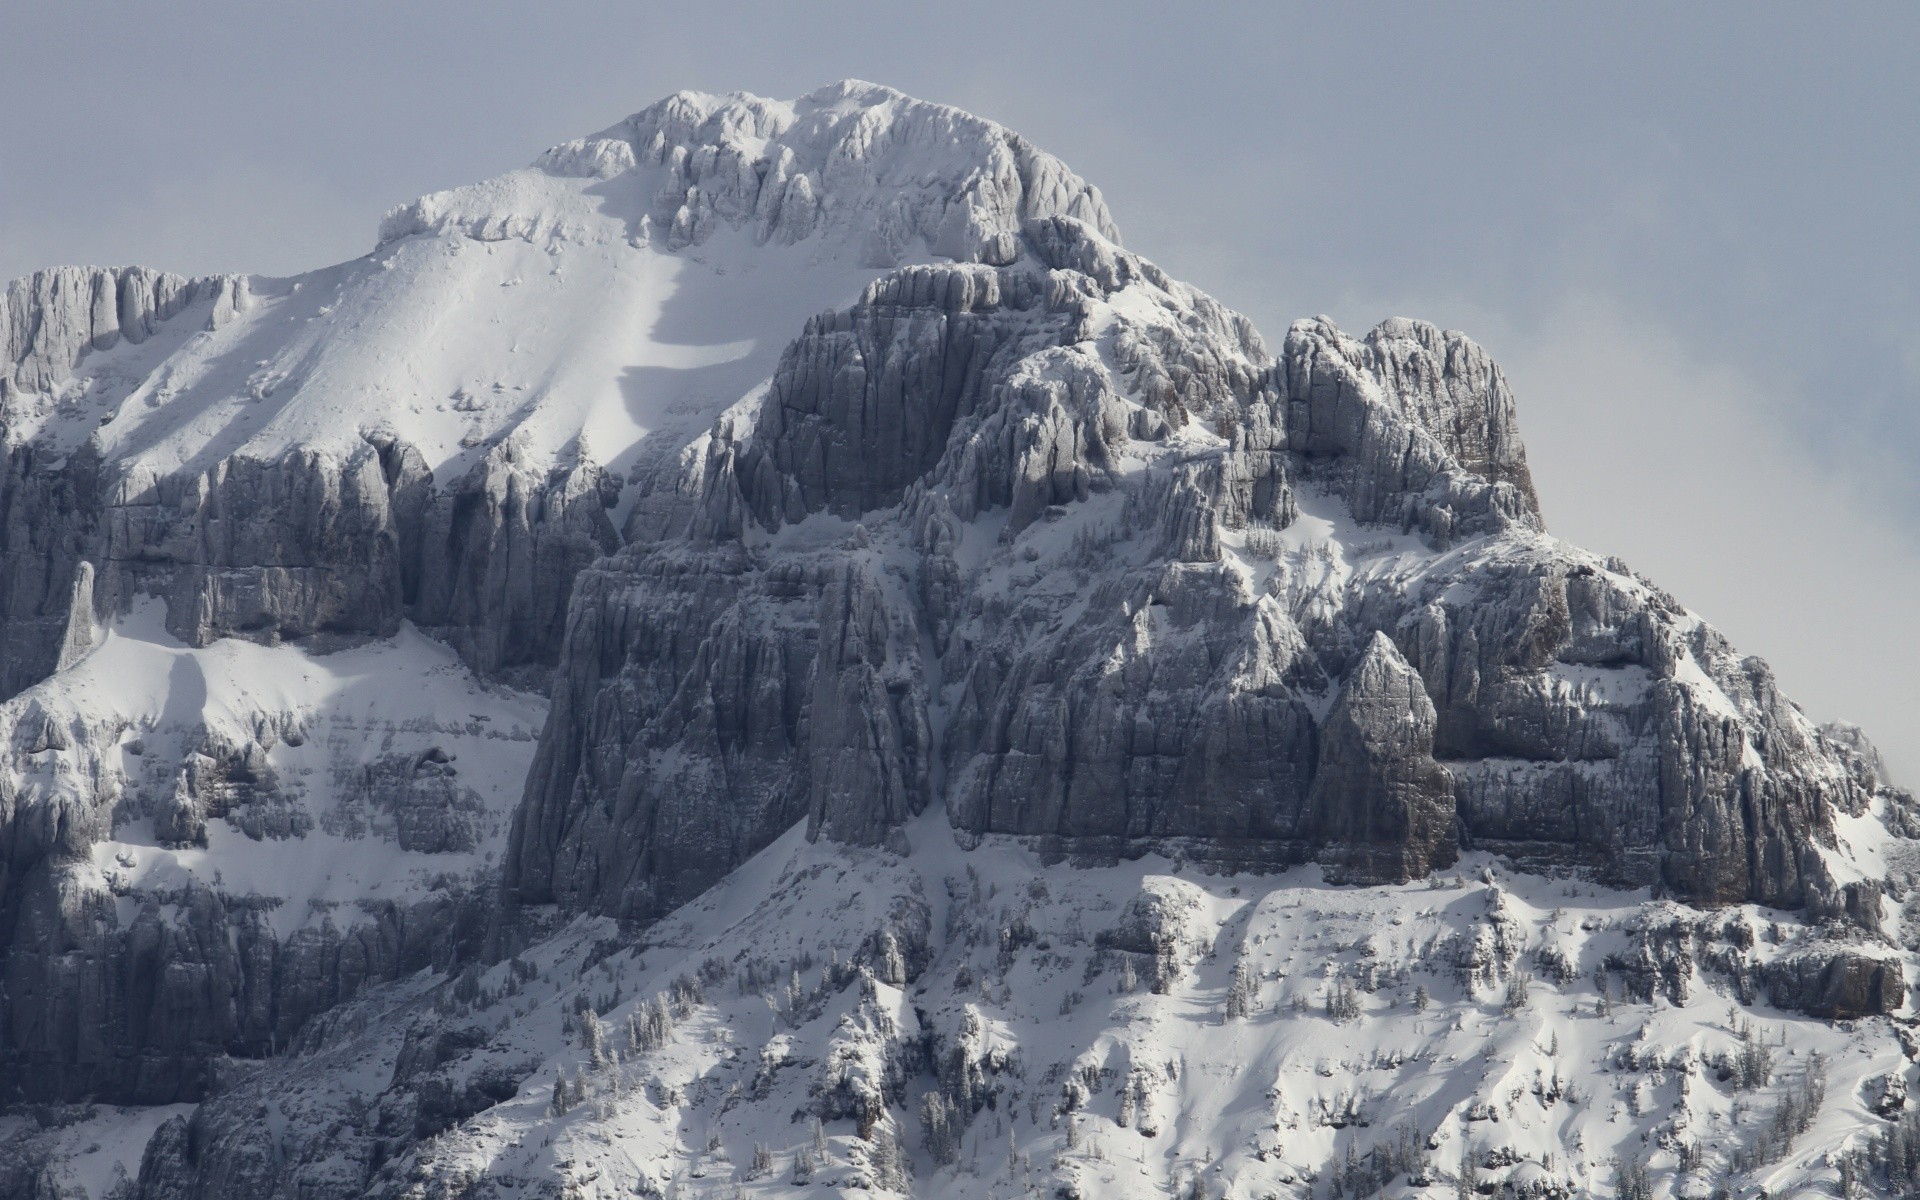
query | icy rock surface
[200, 849]
[1060, 546]
[766, 650]
[343, 457]
[335, 452]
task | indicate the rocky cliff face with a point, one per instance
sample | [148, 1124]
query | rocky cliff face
[870, 521]
[199, 858]
[1117, 578]
[248, 452]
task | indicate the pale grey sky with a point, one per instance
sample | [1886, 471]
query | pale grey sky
[1688, 231]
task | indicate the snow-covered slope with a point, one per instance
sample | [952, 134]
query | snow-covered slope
[639, 280]
[241, 836]
[448, 429]
[970, 1023]
[766, 651]
[436, 437]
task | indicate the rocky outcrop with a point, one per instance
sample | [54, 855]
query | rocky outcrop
[1379, 800]
[676, 720]
[709, 704]
[487, 561]
[1096, 525]
[1436, 398]
[130, 970]
[853, 161]
[865, 400]
[1033, 535]
[144, 1010]
[49, 525]
[50, 319]
[301, 546]
[1838, 985]
[870, 748]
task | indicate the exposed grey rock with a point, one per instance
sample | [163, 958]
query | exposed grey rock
[1143, 682]
[1886, 1094]
[870, 748]
[49, 525]
[1154, 922]
[141, 1011]
[302, 546]
[1036, 534]
[699, 669]
[1836, 985]
[1379, 800]
[420, 796]
[864, 401]
[49, 320]
[80, 619]
[1402, 406]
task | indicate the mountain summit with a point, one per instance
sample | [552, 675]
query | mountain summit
[767, 650]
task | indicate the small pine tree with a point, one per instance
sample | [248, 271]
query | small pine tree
[1422, 998]
[567, 1093]
[940, 1128]
[887, 1157]
[593, 1037]
[1630, 1179]
[1239, 993]
[649, 1025]
[1517, 996]
[1343, 1000]
[1753, 1062]
[762, 1164]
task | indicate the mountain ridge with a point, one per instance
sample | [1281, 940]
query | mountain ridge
[862, 508]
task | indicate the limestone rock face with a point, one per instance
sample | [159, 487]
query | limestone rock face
[700, 671]
[1127, 582]
[198, 857]
[1451, 402]
[143, 1011]
[1379, 799]
[741, 702]
[878, 530]
[304, 545]
[51, 319]
[1838, 986]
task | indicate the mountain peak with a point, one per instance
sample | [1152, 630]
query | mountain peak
[853, 163]
[770, 537]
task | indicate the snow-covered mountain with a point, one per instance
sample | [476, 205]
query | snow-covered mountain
[767, 651]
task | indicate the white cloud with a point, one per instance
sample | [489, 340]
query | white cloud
[1682, 466]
